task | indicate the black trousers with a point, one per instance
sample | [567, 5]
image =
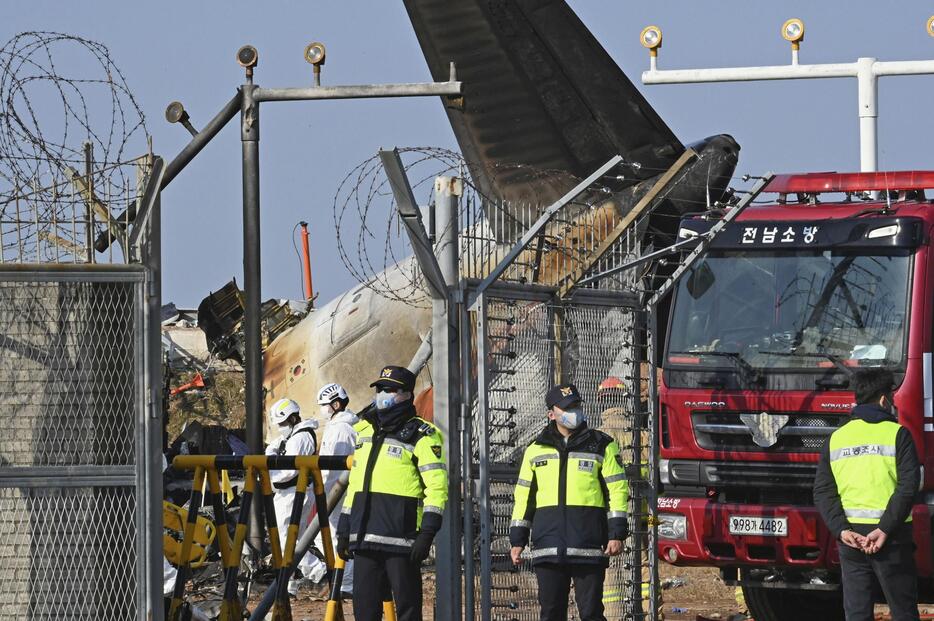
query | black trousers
[894, 568]
[554, 587]
[375, 574]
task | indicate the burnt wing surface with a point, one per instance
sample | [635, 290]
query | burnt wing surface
[543, 101]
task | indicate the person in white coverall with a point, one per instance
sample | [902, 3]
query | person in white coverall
[297, 437]
[339, 439]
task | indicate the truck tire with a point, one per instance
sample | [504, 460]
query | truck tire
[783, 604]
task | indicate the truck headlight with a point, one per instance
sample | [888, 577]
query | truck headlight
[672, 527]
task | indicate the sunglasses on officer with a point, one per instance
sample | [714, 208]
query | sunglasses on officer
[390, 389]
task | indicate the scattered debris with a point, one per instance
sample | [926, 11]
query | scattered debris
[196, 382]
[220, 316]
[673, 583]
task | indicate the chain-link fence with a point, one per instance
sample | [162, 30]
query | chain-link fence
[74, 532]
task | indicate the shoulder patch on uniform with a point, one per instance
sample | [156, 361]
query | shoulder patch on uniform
[436, 449]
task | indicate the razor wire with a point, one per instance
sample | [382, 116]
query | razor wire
[372, 243]
[70, 131]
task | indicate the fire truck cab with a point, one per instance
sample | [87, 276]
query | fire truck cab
[835, 275]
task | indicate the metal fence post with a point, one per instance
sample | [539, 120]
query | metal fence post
[253, 363]
[466, 431]
[150, 531]
[651, 325]
[486, 535]
[445, 364]
[638, 489]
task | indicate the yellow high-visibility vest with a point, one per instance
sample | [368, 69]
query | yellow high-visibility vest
[862, 459]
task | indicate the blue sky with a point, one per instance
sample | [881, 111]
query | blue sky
[185, 50]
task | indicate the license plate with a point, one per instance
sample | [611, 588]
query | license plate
[764, 526]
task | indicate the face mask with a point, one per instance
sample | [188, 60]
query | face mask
[385, 400]
[572, 419]
[326, 411]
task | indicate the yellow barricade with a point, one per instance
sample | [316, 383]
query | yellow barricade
[257, 467]
[174, 519]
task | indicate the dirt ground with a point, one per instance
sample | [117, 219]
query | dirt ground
[702, 597]
[703, 593]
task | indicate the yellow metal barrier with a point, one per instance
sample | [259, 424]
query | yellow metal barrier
[257, 467]
[174, 519]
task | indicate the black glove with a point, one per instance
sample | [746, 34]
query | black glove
[343, 547]
[421, 547]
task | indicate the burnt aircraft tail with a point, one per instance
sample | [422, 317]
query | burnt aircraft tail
[543, 101]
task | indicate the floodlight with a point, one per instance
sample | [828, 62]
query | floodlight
[793, 32]
[315, 53]
[651, 38]
[175, 112]
[247, 57]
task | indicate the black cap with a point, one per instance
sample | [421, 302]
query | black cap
[562, 396]
[396, 377]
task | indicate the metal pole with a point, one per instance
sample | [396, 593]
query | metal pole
[179, 162]
[467, 461]
[639, 491]
[197, 143]
[450, 88]
[445, 361]
[483, 411]
[868, 113]
[253, 364]
[651, 326]
[152, 423]
[866, 71]
[89, 200]
[306, 264]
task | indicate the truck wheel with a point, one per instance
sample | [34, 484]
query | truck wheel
[783, 604]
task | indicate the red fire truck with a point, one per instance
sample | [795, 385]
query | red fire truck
[836, 274]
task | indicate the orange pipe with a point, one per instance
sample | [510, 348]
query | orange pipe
[306, 262]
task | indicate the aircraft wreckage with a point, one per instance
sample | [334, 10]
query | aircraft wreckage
[540, 94]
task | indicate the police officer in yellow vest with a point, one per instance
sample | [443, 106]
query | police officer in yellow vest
[395, 499]
[571, 496]
[867, 478]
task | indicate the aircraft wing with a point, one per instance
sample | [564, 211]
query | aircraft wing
[543, 101]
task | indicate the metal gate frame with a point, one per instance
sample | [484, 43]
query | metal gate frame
[478, 478]
[454, 343]
[138, 476]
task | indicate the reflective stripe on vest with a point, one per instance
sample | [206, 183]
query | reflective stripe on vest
[862, 459]
[585, 552]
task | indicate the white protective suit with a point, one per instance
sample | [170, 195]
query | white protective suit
[339, 439]
[300, 440]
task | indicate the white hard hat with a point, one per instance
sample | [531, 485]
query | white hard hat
[282, 409]
[330, 392]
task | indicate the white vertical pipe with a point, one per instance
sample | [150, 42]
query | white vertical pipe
[868, 113]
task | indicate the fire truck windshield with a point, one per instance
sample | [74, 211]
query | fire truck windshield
[802, 309]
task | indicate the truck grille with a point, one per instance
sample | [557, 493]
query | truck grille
[756, 475]
[725, 431]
